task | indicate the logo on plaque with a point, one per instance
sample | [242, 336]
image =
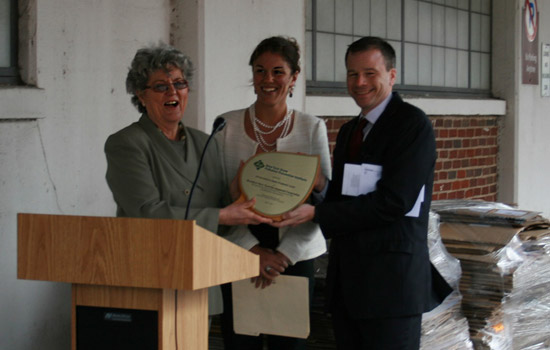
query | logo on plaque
[279, 181]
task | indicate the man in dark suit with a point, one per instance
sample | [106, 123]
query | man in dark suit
[380, 279]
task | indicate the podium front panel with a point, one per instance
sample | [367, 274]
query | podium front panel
[115, 329]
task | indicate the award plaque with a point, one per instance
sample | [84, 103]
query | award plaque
[279, 181]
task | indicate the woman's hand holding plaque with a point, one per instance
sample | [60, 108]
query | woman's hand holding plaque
[279, 181]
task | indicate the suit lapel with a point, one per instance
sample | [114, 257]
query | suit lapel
[184, 166]
[377, 133]
[346, 136]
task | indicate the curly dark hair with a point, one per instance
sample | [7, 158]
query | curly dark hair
[285, 46]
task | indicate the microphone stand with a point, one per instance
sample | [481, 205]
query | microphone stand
[219, 124]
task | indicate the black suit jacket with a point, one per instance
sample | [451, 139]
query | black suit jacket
[379, 256]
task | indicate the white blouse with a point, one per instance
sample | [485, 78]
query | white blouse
[309, 136]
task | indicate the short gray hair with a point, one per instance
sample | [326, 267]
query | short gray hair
[150, 59]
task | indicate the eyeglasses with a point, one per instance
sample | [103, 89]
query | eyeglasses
[178, 85]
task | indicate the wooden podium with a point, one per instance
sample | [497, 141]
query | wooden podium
[129, 263]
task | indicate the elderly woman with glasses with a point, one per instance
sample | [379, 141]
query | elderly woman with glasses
[152, 163]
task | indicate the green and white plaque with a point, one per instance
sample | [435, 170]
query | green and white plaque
[279, 181]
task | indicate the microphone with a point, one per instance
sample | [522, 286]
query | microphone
[218, 125]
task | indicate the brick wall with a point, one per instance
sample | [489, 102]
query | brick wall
[467, 153]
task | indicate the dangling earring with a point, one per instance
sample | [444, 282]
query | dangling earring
[290, 91]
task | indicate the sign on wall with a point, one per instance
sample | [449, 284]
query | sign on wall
[545, 71]
[530, 43]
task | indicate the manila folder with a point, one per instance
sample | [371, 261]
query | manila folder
[280, 309]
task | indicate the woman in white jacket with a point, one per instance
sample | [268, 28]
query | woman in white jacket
[270, 125]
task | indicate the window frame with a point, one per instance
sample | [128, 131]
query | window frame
[334, 88]
[10, 75]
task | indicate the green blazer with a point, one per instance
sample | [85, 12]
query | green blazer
[151, 176]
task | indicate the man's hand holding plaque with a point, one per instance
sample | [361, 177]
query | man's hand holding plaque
[278, 181]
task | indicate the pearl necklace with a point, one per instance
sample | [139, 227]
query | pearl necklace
[285, 123]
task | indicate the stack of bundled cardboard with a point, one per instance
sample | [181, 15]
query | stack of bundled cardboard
[529, 302]
[445, 327]
[505, 259]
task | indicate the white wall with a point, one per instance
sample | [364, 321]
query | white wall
[229, 32]
[533, 130]
[505, 68]
[51, 142]
[524, 149]
[234, 28]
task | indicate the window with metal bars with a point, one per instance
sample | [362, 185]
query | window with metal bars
[442, 46]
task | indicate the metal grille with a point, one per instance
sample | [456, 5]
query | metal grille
[442, 46]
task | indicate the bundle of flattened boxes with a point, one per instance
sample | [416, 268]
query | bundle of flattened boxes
[497, 258]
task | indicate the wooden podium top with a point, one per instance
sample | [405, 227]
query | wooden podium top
[129, 252]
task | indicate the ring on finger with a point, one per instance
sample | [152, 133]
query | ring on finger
[268, 268]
